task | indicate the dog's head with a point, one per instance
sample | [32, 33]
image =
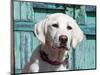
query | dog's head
[59, 31]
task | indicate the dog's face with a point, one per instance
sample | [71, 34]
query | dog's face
[59, 31]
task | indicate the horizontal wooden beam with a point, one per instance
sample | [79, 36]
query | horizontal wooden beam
[28, 27]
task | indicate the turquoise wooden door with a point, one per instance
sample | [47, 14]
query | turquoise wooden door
[26, 14]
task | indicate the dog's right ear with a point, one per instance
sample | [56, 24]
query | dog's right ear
[40, 30]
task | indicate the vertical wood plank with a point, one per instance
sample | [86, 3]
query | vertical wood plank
[22, 49]
[31, 43]
[24, 11]
[29, 11]
[24, 45]
[85, 55]
[17, 50]
[80, 15]
[17, 11]
[33, 15]
[39, 14]
[28, 49]
[69, 11]
[70, 59]
[35, 42]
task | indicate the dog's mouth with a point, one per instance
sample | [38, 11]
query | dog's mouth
[63, 47]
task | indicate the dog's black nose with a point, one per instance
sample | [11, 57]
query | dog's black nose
[63, 38]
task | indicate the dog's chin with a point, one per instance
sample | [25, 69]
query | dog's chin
[63, 47]
[60, 46]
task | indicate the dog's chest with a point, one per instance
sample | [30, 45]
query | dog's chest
[44, 66]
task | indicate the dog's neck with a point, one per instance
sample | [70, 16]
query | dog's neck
[54, 55]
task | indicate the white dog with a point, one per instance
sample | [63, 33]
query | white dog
[57, 33]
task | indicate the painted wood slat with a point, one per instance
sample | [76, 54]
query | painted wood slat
[22, 48]
[17, 50]
[55, 6]
[24, 44]
[85, 55]
[48, 6]
[23, 25]
[26, 11]
[17, 11]
[91, 20]
[25, 48]
[53, 11]
[80, 15]
[31, 44]
[39, 14]
[29, 11]
[70, 60]
[69, 11]
[89, 29]
[85, 19]
[33, 15]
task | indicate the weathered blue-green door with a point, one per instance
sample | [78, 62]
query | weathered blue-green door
[26, 14]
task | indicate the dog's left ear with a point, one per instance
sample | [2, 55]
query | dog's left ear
[77, 34]
[40, 30]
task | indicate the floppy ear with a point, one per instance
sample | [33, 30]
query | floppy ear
[40, 30]
[77, 34]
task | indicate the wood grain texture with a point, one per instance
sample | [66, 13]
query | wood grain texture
[17, 11]
[69, 11]
[22, 11]
[24, 44]
[39, 15]
[85, 55]
[17, 50]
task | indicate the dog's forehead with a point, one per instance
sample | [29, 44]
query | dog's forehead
[59, 17]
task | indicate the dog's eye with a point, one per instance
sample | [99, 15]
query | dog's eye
[55, 25]
[69, 27]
